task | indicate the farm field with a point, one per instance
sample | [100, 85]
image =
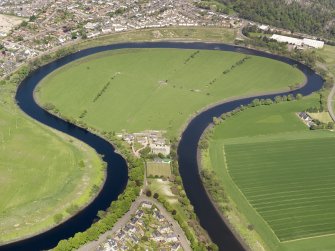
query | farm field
[279, 174]
[43, 174]
[140, 89]
[158, 169]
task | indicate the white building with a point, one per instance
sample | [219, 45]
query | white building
[298, 42]
[263, 27]
[313, 43]
[163, 149]
[285, 39]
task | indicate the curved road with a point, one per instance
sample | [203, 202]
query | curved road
[330, 103]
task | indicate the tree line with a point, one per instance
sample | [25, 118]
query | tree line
[314, 17]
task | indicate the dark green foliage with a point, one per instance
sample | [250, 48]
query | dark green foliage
[311, 18]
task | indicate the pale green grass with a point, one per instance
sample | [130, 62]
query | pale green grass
[41, 175]
[137, 100]
[158, 169]
[321, 116]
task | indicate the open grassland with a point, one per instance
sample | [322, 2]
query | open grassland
[43, 173]
[139, 89]
[321, 116]
[279, 174]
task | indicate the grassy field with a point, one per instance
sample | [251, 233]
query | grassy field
[279, 175]
[321, 116]
[158, 169]
[43, 173]
[141, 89]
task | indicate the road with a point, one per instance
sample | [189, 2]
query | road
[126, 218]
[330, 102]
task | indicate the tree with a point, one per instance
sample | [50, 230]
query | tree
[74, 35]
[32, 18]
[298, 96]
[290, 97]
[216, 120]
[148, 193]
[203, 144]
[156, 195]
[255, 102]
[82, 33]
[278, 99]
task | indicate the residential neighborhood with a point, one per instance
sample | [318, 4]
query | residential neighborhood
[51, 23]
[148, 229]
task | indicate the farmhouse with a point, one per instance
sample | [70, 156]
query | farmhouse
[306, 118]
[160, 149]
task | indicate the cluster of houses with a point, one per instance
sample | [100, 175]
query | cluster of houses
[150, 138]
[306, 119]
[59, 22]
[147, 225]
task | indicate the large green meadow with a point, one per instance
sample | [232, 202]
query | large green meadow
[43, 174]
[139, 89]
[278, 174]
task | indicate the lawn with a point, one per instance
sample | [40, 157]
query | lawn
[279, 174]
[158, 169]
[43, 173]
[140, 89]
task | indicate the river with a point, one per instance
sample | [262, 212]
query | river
[117, 175]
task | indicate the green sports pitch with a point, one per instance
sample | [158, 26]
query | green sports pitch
[280, 174]
[140, 89]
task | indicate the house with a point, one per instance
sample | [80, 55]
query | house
[165, 229]
[134, 238]
[139, 213]
[171, 238]
[306, 118]
[175, 246]
[120, 235]
[157, 236]
[157, 149]
[134, 220]
[263, 27]
[147, 204]
[158, 216]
